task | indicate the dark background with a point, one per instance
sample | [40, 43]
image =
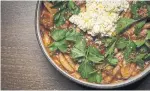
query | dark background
[23, 65]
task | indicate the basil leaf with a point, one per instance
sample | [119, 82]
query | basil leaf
[95, 77]
[123, 23]
[85, 69]
[58, 34]
[139, 43]
[138, 27]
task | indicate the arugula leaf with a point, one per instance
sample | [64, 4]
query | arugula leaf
[95, 77]
[94, 55]
[79, 49]
[85, 69]
[121, 43]
[58, 34]
[113, 61]
[131, 46]
[139, 43]
[122, 23]
[139, 26]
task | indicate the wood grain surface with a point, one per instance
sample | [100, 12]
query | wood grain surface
[23, 65]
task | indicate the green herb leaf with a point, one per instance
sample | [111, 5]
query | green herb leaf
[131, 46]
[139, 26]
[148, 35]
[135, 7]
[147, 57]
[85, 69]
[61, 45]
[144, 49]
[58, 4]
[79, 49]
[73, 8]
[58, 34]
[139, 43]
[113, 61]
[94, 55]
[110, 49]
[108, 41]
[73, 36]
[52, 47]
[71, 5]
[59, 18]
[139, 59]
[122, 23]
[147, 43]
[95, 77]
[148, 8]
[121, 43]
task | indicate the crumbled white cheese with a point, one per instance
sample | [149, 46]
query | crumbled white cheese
[100, 16]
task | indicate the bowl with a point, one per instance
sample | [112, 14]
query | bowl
[88, 84]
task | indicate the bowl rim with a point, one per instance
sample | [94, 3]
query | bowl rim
[88, 84]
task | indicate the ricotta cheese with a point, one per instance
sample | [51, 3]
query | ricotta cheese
[100, 16]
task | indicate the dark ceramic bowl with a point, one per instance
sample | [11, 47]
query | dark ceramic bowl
[88, 84]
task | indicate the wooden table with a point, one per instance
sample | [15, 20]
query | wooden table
[23, 65]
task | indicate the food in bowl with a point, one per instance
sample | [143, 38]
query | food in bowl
[97, 41]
